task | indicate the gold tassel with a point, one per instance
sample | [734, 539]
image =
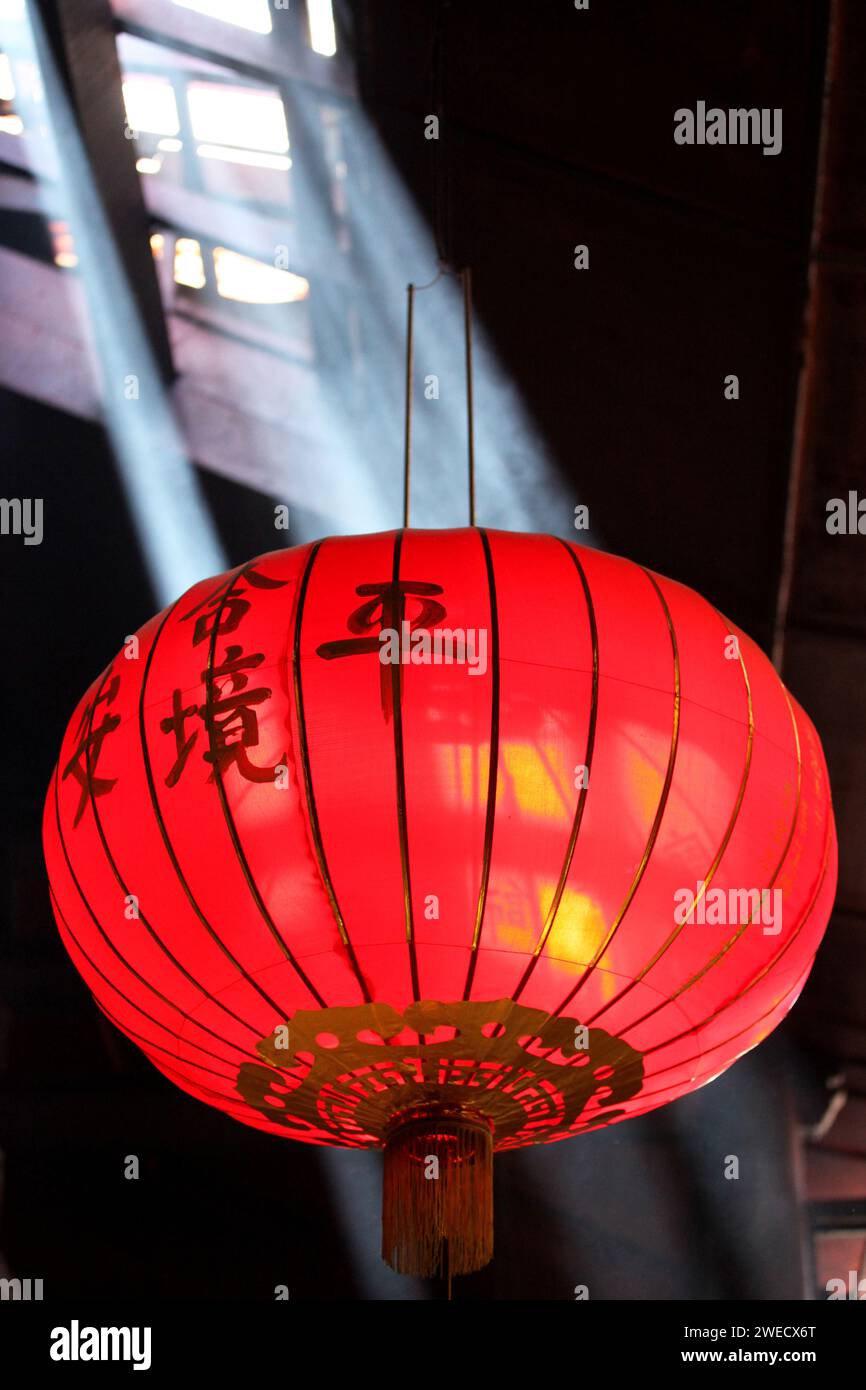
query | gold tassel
[437, 1202]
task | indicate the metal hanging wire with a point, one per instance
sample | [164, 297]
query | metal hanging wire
[442, 228]
[465, 277]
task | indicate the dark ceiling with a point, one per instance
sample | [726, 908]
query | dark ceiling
[556, 130]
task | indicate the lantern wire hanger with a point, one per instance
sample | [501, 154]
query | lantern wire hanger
[465, 277]
[442, 224]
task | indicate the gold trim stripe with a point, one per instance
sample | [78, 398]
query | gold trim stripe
[716, 1047]
[124, 887]
[163, 1027]
[581, 800]
[392, 619]
[689, 1084]
[694, 1030]
[304, 750]
[220, 1098]
[170, 1003]
[493, 763]
[166, 839]
[714, 960]
[226, 809]
[147, 1043]
[711, 872]
[770, 965]
[660, 809]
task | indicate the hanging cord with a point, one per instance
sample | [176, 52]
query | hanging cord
[465, 277]
[442, 231]
[441, 150]
[407, 437]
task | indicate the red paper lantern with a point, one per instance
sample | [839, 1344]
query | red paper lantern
[563, 859]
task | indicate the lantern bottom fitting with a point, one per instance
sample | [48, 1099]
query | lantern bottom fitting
[437, 1198]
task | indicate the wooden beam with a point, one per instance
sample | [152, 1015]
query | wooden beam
[82, 42]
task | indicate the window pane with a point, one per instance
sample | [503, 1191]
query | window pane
[224, 115]
[150, 105]
[188, 264]
[253, 282]
[246, 14]
[232, 299]
[323, 38]
[201, 128]
[7, 84]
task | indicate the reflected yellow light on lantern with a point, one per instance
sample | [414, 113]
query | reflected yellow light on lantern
[188, 264]
[254, 158]
[510, 915]
[150, 105]
[12, 125]
[454, 764]
[254, 15]
[323, 36]
[465, 764]
[248, 117]
[7, 82]
[248, 281]
[578, 927]
[148, 164]
[645, 781]
[157, 245]
[170, 145]
[536, 777]
[532, 782]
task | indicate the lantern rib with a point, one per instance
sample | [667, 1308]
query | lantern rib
[243, 863]
[392, 620]
[765, 970]
[166, 838]
[147, 1043]
[686, 1086]
[186, 1082]
[714, 960]
[126, 999]
[710, 873]
[120, 956]
[492, 765]
[581, 800]
[124, 887]
[717, 1047]
[306, 770]
[660, 809]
